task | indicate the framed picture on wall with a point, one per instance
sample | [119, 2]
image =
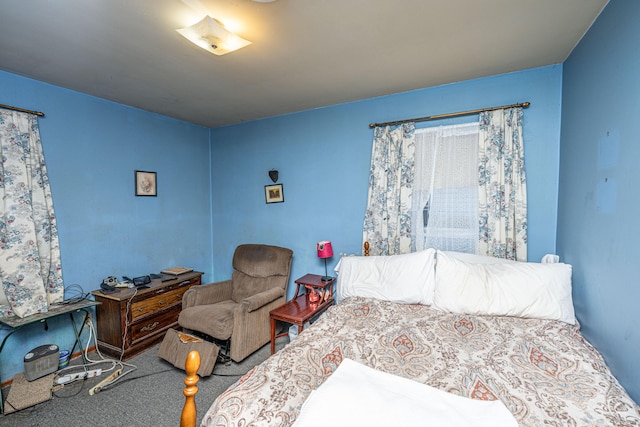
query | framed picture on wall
[274, 193]
[146, 184]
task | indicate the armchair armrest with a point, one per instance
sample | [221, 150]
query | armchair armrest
[210, 293]
[256, 301]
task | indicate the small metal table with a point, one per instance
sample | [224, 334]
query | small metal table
[16, 323]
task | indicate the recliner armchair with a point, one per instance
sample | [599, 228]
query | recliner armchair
[238, 309]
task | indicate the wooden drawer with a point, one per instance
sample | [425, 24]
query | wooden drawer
[156, 303]
[155, 324]
[131, 320]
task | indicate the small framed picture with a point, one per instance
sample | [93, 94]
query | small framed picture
[146, 184]
[274, 193]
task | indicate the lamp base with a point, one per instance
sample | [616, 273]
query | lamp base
[326, 277]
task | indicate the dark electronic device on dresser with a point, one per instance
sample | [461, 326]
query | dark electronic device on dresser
[108, 285]
[139, 282]
[142, 282]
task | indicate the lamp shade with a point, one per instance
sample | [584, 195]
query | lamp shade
[324, 249]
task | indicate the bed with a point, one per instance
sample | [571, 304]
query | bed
[476, 328]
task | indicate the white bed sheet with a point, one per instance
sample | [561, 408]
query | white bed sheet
[357, 395]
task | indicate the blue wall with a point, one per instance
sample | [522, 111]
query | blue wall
[323, 157]
[92, 148]
[584, 192]
[599, 207]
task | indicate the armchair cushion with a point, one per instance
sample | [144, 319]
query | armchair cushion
[245, 286]
[262, 260]
[210, 293]
[215, 320]
[258, 268]
[256, 301]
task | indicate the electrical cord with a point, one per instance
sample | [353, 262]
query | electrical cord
[80, 295]
[115, 364]
[126, 322]
[146, 375]
[56, 388]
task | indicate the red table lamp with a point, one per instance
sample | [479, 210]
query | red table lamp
[325, 251]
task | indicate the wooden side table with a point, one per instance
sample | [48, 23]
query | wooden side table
[314, 281]
[300, 310]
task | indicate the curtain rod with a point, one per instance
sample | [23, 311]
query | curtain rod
[22, 110]
[449, 115]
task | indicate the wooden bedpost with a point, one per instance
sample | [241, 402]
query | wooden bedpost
[366, 249]
[192, 364]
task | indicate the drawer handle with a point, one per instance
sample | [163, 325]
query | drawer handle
[161, 302]
[150, 327]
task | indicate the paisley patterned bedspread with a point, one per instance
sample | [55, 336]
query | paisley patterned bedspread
[544, 371]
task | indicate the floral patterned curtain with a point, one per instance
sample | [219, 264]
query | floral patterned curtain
[387, 221]
[503, 190]
[30, 253]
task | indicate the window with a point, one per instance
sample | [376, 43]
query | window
[445, 194]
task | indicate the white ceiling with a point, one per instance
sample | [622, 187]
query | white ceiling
[305, 53]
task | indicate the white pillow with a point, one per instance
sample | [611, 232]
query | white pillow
[473, 258]
[407, 278]
[521, 289]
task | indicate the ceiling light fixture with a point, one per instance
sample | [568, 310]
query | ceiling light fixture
[211, 35]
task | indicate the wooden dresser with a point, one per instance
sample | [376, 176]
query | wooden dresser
[130, 321]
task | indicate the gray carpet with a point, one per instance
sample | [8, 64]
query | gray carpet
[150, 396]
